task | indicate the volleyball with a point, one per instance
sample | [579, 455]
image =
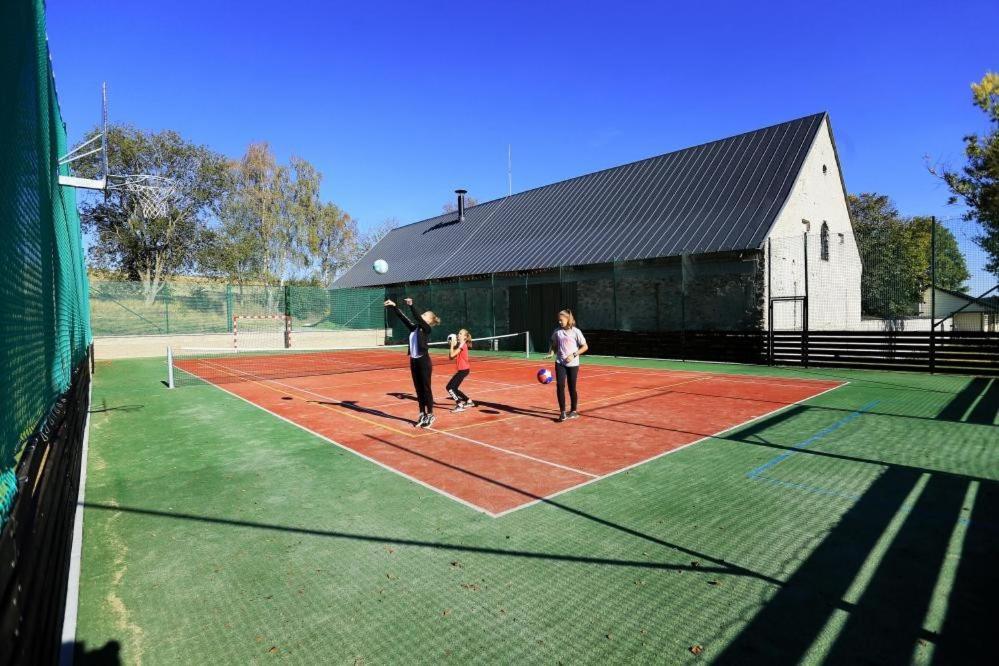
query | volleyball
[380, 267]
[545, 376]
[452, 338]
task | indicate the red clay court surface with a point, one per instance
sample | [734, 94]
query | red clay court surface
[508, 452]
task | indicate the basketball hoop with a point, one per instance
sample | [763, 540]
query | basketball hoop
[152, 192]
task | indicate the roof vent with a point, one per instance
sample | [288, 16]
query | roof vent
[461, 204]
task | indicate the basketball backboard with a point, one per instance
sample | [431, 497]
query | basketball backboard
[152, 193]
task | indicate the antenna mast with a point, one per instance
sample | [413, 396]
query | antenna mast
[509, 169]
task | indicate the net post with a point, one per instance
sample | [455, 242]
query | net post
[170, 383]
[527, 345]
[287, 314]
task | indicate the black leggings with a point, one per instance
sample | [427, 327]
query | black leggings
[422, 369]
[561, 373]
[452, 386]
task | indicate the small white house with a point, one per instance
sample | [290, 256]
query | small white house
[961, 312]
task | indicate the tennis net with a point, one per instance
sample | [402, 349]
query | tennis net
[216, 365]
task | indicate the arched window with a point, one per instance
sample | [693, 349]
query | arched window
[824, 243]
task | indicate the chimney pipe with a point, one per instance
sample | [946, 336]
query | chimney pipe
[461, 204]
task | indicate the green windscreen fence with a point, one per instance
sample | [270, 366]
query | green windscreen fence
[44, 321]
[121, 308]
[666, 298]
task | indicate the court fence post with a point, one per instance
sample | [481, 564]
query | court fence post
[228, 307]
[933, 292]
[684, 258]
[804, 309]
[770, 303]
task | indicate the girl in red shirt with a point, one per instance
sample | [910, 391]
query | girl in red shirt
[459, 352]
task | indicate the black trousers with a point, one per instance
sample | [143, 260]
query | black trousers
[422, 369]
[562, 374]
[452, 386]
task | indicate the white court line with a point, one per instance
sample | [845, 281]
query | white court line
[475, 391]
[514, 453]
[444, 432]
[593, 479]
[441, 432]
[357, 453]
[471, 378]
[71, 615]
[666, 453]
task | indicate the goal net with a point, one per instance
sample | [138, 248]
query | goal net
[261, 332]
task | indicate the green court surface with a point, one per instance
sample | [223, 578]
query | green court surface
[861, 526]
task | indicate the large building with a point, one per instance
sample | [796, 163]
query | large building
[694, 240]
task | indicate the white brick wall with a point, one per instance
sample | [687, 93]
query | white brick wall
[834, 285]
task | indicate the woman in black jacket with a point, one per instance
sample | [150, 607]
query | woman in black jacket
[419, 357]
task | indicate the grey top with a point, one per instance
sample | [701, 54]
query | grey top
[567, 342]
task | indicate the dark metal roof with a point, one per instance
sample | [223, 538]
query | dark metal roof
[718, 196]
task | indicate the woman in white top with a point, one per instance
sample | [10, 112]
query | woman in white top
[567, 345]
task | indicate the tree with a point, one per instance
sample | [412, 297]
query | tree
[332, 243]
[274, 228]
[977, 183]
[152, 248]
[263, 223]
[452, 206]
[895, 252]
[952, 268]
[370, 238]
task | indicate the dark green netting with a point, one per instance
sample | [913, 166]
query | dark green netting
[44, 324]
[191, 307]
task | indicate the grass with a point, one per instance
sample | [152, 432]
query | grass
[217, 533]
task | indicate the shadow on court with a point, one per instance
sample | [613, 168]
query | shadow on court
[353, 406]
[920, 517]
[108, 654]
[978, 402]
[120, 408]
[449, 547]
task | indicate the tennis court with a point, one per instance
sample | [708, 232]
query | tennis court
[509, 451]
[803, 516]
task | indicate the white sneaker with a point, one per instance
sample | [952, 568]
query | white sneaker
[428, 421]
[460, 407]
[469, 403]
[419, 421]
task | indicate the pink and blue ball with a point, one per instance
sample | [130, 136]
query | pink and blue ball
[545, 376]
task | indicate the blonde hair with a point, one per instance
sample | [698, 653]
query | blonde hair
[434, 319]
[468, 335]
[568, 313]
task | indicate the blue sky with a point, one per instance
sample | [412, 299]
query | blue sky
[400, 103]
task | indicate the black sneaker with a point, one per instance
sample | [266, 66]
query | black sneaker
[561, 417]
[428, 421]
[572, 415]
[419, 421]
